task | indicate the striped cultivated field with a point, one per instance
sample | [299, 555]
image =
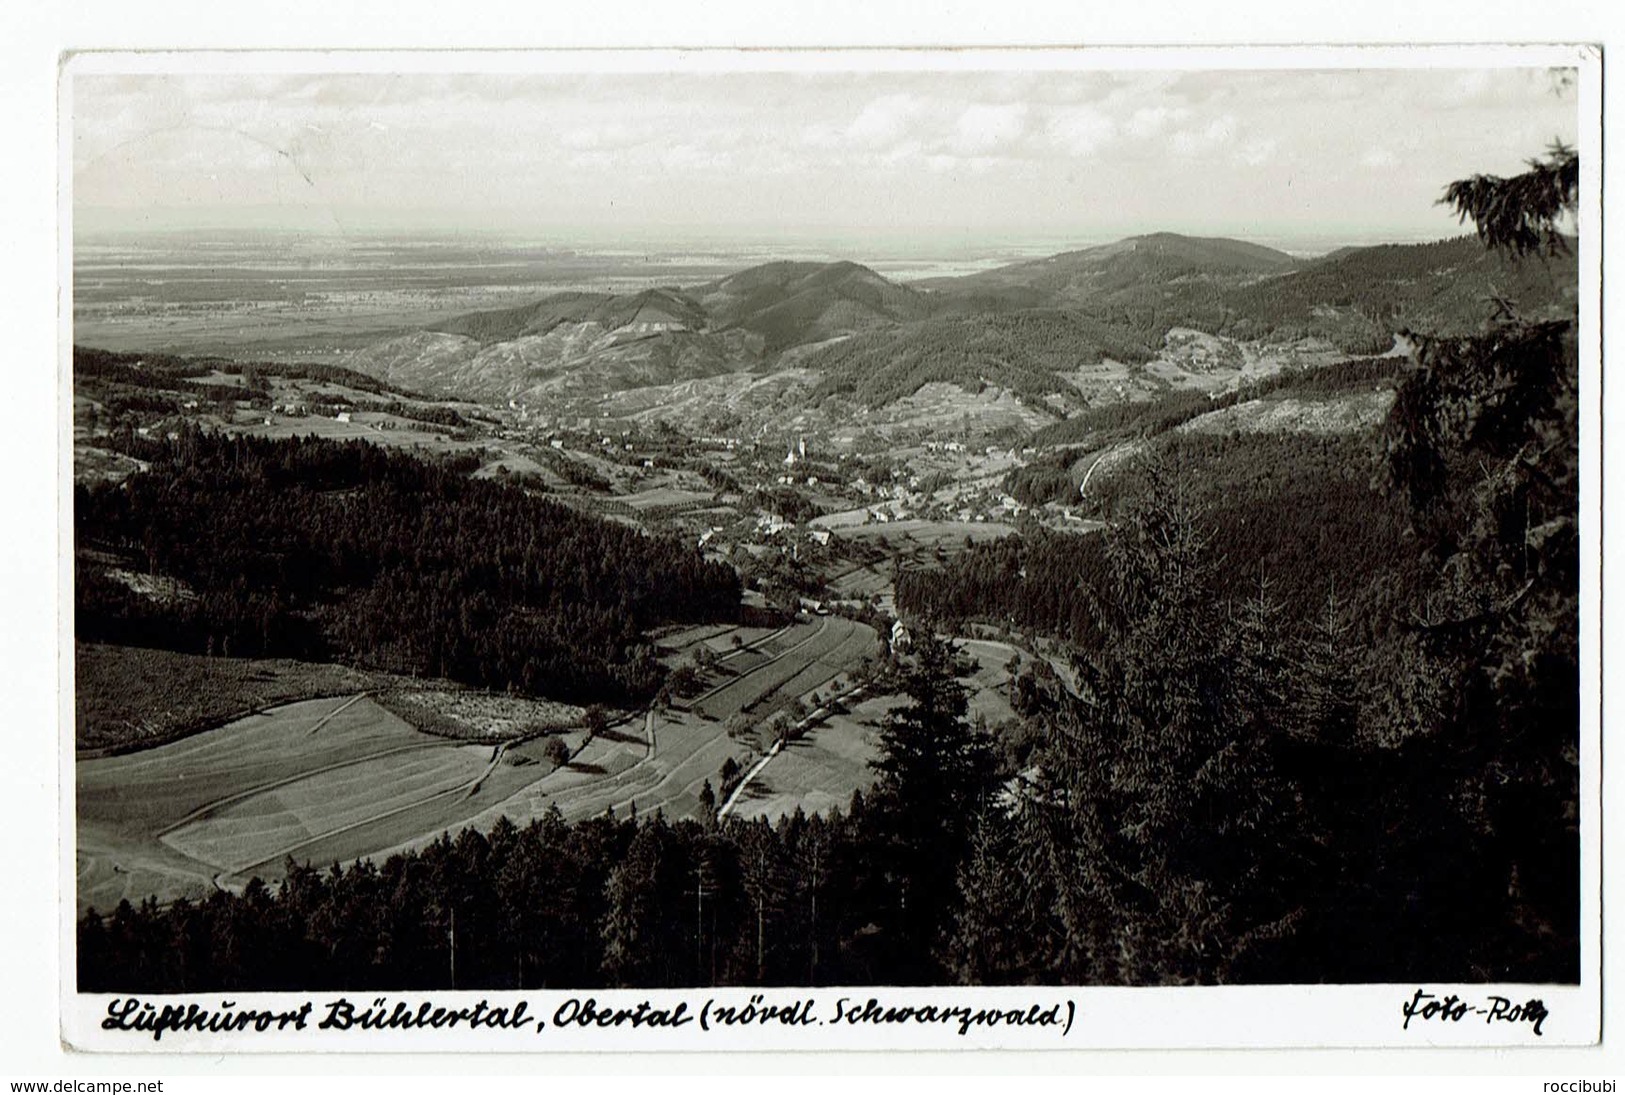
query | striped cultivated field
[340, 775]
[268, 824]
[808, 657]
[338, 779]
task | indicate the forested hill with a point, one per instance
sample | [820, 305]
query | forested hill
[1022, 351]
[664, 307]
[1354, 297]
[580, 344]
[793, 303]
[351, 552]
[1159, 258]
[1014, 327]
[1447, 287]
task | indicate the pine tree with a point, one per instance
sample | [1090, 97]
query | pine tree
[1160, 816]
[1483, 441]
[935, 773]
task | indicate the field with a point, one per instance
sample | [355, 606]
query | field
[860, 583]
[666, 497]
[806, 657]
[718, 638]
[662, 768]
[819, 771]
[518, 463]
[338, 774]
[124, 802]
[343, 777]
[265, 825]
[381, 429]
[990, 679]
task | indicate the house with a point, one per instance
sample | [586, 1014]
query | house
[900, 638]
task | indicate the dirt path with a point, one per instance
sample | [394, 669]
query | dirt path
[1061, 667]
[802, 727]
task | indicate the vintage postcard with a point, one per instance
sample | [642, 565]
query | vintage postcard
[1028, 549]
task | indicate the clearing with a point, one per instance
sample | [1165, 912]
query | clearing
[819, 771]
[340, 775]
[806, 657]
[343, 778]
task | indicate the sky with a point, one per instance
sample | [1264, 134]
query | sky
[959, 158]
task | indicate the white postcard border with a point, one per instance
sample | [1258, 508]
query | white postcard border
[1253, 1017]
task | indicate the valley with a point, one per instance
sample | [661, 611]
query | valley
[745, 525]
[814, 431]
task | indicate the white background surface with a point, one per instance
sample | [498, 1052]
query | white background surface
[31, 38]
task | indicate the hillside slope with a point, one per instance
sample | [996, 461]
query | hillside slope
[1093, 273]
[1100, 325]
[793, 303]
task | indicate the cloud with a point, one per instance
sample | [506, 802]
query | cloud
[942, 164]
[1256, 153]
[1195, 141]
[982, 128]
[1081, 130]
[1150, 121]
[689, 157]
[604, 136]
[884, 120]
[976, 148]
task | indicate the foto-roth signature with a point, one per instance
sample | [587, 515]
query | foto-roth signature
[1453, 1009]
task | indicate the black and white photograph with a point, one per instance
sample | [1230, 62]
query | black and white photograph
[909, 547]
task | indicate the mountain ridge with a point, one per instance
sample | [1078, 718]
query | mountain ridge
[1063, 332]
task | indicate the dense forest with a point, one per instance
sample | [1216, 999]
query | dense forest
[377, 558]
[1021, 351]
[1295, 511]
[604, 901]
[1360, 297]
[168, 371]
[1354, 299]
